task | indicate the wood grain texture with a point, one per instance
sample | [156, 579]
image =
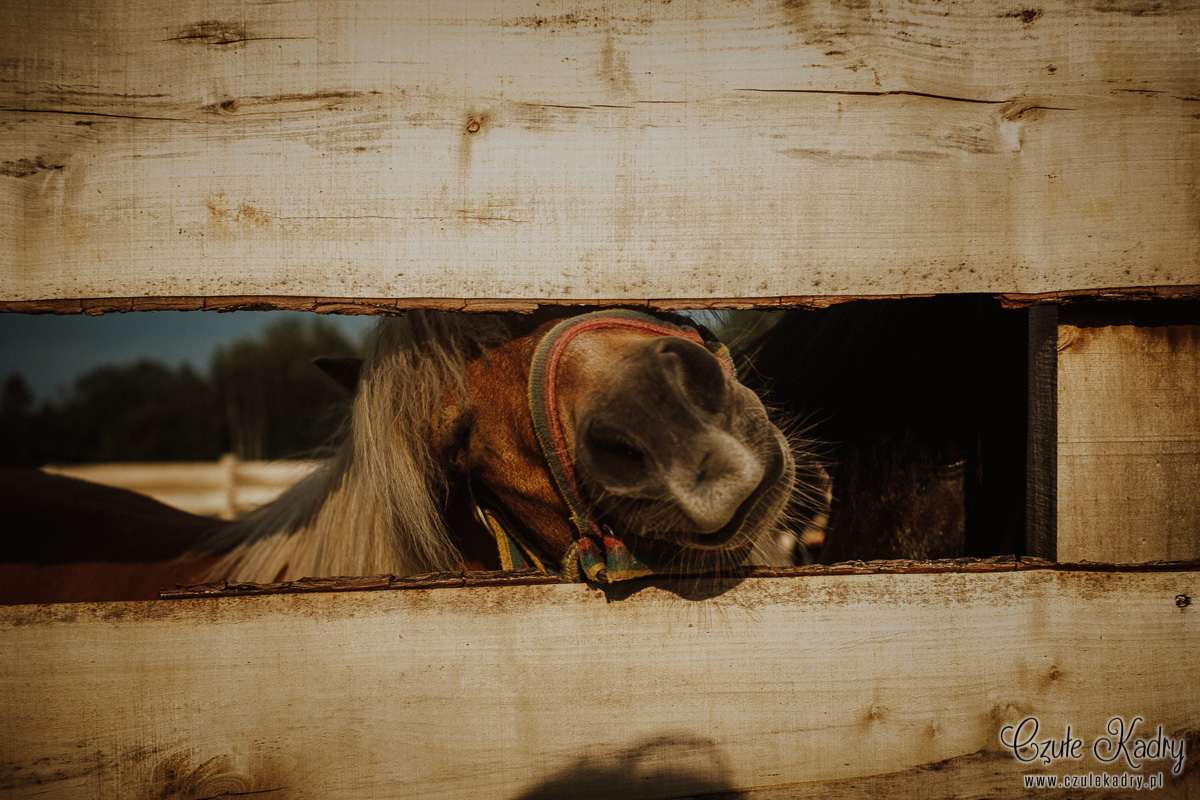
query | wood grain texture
[1128, 443]
[619, 150]
[830, 686]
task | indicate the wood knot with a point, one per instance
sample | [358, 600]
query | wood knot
[176, 779]
[24, 167]
[1067, 336]
[229, 106]
[1182, 600]
[474, 125]
[224, 785]
[1027, 15]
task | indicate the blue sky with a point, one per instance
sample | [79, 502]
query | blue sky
[51, 350]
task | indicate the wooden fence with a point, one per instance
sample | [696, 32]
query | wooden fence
[373, 156]
[227, 488]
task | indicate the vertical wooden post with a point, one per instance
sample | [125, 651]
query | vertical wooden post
[1128, 445]
[1041, 461]
[229, 463]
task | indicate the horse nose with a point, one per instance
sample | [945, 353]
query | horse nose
[625, 447]
[668, 440]
[705, 473]
[711, 482]
[693, 370]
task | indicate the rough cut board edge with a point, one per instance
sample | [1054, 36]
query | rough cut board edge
[532, 577]
[384, 306]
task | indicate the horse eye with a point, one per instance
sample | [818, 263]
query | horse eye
[460, 435]
[457, 443]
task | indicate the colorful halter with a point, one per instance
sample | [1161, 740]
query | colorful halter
[597, 554]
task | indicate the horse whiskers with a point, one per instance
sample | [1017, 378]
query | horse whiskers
[768, 548]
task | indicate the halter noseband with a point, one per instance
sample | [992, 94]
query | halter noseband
[597, 554]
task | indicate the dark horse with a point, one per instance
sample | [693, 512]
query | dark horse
[616, 443]
[921, 406]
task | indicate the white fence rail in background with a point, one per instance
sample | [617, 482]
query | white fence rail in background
[226, 488]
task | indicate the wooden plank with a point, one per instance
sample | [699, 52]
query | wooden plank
[619, 150]
[823, 685]
[1128, 442]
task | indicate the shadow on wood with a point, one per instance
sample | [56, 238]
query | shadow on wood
[679, 765]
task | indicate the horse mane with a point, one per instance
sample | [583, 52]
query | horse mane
[377, 505]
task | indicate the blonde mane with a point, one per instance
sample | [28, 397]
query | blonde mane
[376, 506]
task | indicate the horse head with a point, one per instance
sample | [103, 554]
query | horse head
[622, 434]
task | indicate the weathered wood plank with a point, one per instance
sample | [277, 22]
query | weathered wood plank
[1128, 443]
[620, 150]
[838, 686]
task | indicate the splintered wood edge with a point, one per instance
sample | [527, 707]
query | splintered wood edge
[392, 306]
[532, 577]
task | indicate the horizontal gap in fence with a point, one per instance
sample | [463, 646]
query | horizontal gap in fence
[532, 577]
[384, 306]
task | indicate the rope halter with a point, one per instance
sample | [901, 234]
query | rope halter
[597, 553]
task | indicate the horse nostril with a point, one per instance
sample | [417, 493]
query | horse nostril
[695, 370]
[612, 457]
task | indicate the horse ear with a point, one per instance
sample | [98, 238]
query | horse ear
[343, 371]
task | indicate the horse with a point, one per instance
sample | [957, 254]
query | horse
[601, 446]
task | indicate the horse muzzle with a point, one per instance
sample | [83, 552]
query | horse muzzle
[674, 448]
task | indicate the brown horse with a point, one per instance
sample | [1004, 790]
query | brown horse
[618, 444]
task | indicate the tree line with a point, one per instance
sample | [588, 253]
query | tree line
[261, 398]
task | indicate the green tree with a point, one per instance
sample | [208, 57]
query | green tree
[16, 422]
[275, 403]
[262, 398]
[146, 411]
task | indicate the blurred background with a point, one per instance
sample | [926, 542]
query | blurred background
[169, 385]
[214, 413]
